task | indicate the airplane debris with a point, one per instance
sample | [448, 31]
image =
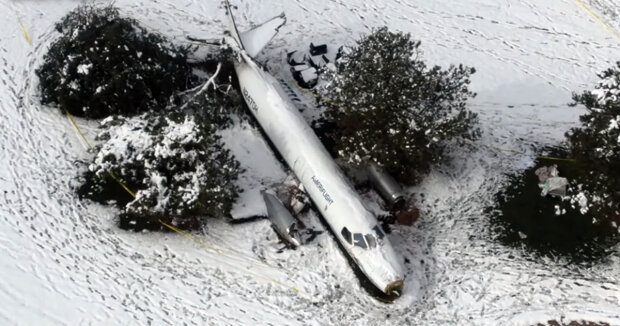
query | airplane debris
[550, 182]
[296, 58]
[283, 222]
[318, 49]
[318, 61]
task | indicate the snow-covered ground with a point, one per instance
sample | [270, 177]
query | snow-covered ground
[66, 263]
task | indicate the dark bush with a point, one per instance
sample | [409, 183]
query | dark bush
[546, 225]
[596, 146]
[105, 64]
[386, 106]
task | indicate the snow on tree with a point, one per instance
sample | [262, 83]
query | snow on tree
[596, 148]
[105, 64]
[168, 155]
[175, 163]
[387, 107]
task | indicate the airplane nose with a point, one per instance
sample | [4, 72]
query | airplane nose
[395, 288]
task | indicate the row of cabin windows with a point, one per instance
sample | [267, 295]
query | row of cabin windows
[364, 241]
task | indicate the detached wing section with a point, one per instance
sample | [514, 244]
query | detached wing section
[255, 39]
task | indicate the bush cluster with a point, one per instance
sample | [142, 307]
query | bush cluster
[387, 107]
[105, 64]
[157, 159]
[175, 164]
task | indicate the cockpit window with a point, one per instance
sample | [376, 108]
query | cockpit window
[346, 234]
[364, 241]
[378, 231]
[358, 240]
[370, 239]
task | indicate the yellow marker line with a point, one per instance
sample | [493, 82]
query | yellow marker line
[208, 247]
[556, 158]
[24, 31]
[112, 174]
[77, 128]
[118, 180]
[189, 236]
[598, 19]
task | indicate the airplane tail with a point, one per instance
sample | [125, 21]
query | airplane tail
[255, 39]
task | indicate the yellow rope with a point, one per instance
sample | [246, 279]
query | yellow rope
[499, 149]
[112, 174]
[556, 158]
[77, 128]
[208, 247]
[24, 31]
[189, 236]
[117, 179]
[598, 19]
[217, 251]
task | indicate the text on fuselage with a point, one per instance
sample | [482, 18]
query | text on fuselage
[250, 100]
[323, 191]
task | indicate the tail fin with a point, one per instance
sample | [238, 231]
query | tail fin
[255, 39]
[234, 32]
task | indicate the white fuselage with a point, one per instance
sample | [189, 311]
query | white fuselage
[337, 201]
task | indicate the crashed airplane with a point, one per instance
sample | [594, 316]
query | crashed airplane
[355, 227]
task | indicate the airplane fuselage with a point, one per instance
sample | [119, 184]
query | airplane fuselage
[355, 227]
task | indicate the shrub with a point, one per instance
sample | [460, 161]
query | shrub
[386, 106]
[596, 146]
[175, 163]
[546, 225]
[105, 64]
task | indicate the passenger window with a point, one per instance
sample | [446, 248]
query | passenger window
[346, 234]
[370, 239]
[358, 240]
[378, 231]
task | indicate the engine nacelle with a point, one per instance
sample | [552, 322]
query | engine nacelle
[389, 189]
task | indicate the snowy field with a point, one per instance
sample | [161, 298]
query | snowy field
[64, 262]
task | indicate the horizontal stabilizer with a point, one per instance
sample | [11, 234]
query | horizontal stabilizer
[255, 39]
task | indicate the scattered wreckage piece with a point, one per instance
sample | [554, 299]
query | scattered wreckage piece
[342, 50]
[550, 182]
[305, 68]
[319, 61]
[296, 58]
[305, 76]
[318, 49]
[283, 222]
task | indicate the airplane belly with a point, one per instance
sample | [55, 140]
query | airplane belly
[323, 180]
